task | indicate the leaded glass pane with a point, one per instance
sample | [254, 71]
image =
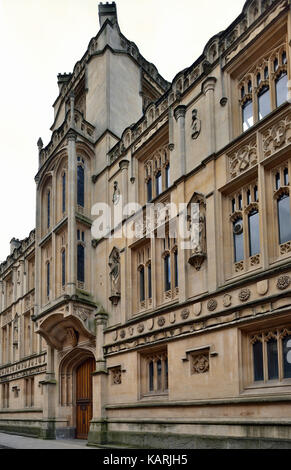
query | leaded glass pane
[238, 239]
[272, 349]
[284, 219]
[287, 357]
[282, 89]
[258, 361]
[264, 103]
[247, 115]
[254, 233]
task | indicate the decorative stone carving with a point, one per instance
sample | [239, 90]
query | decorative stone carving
[73, 336]
[116, 375]
[122, 334]
[161, 321]
[197, 309]
[212, 305]
[285, 248]
[185, 314]
[140, 328]
[130, 330]
[196, 125]
[244, 295]
[172, 317]
[283, 282]
[227, 300]
[116, 193]
[277, 136]
[239, 266]
[263, 287]
[243, 159]
[196, 213]
[114, 264]
[150, 323]
[200, 363]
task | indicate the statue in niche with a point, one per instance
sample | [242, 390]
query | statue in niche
[196, 125]
[197, 227]
[116, 193]
[114, 264]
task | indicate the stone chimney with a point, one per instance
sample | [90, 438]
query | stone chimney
[107, 11]
[14, 243]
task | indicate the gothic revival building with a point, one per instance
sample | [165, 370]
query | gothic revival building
[125, 331]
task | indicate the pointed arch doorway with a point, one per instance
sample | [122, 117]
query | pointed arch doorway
[84, 397]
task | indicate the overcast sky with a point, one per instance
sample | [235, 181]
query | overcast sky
[40, 38]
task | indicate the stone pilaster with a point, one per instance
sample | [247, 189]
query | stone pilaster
[208, 88]
[37, 274]
[180, 113]
[123, 165]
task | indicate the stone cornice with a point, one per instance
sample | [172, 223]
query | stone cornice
[18, 252]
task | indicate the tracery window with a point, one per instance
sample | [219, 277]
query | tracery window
[63, 255]
[154, 373]
[144, 269]
[80, 183]
[48, 280]
[64, 193]
[170, 267]
[48, 209]
[270, 352]
[264, 87]
[245, 226]
[157, 171]
[80, 265]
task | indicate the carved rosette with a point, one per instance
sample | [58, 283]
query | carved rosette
[243, 159]
[122, 334]
[244, 295]
[140, 328]
[161, 321]
[212, 305]
[283, 282]
[185, 314]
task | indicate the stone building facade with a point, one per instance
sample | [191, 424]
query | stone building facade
[146, 337]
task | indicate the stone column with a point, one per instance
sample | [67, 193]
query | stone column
[123, 165]
[72, 200]
[14, 280]
[179, 114]
[98, 425]
[208, 87]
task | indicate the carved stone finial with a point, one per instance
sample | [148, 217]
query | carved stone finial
[40, 144]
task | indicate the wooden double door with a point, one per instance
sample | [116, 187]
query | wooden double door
[84, 408]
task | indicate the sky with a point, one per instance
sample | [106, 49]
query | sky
[41, 38]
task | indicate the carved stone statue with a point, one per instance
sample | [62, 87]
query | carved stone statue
[197, 227]
[196, 125]
[114, 264]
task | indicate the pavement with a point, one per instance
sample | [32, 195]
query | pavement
[12, 441]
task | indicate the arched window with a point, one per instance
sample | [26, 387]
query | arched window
[149, 281]
[168, 176]
[48, 280]
[158, 183]
[149, 190]
[238, 240]
[281, 88]
[80, 186]
[247, 114]
[141, 284]
[254, 233]
[81, 263]
[151, 376]
[264, 102]
[176, 268]
[63, 268]
[48, 209]
[64, 193]
[284, 221]
[167, 270]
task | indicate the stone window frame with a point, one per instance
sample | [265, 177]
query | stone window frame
[5, 395]
[264, 335]
[155, 163]
[143, 260]
[169, 247]
[160, 389]
[29, 392]
[242, 211]
[250, 78]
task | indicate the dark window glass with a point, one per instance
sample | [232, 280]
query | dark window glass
[240, 202]
[284, 58]
[167, 176]
[158, 183]
[159, 373]
[278, 182]
[150, 281]
[149, 190]
[249, 197]
[81, 263]
[243, 92]
[247, 115]
[286, 177]
[64, 193]
[233, 205]
[167, 265]
[166, 375]
[238, 241]
[287, 357]
[250, 87]
[80, 186]
[83, 236]
[258, 361]
[48, 279]
[176, 269]
[259, 79]
[63, 268]
[266, 73]
[276, 65]
[48, 209]
[281, 89]
[264, 103]
[284, 219]
[254, 233]
[256, 196]
[272, 349]
[141, 285]
[151, 376]
[78, 234]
